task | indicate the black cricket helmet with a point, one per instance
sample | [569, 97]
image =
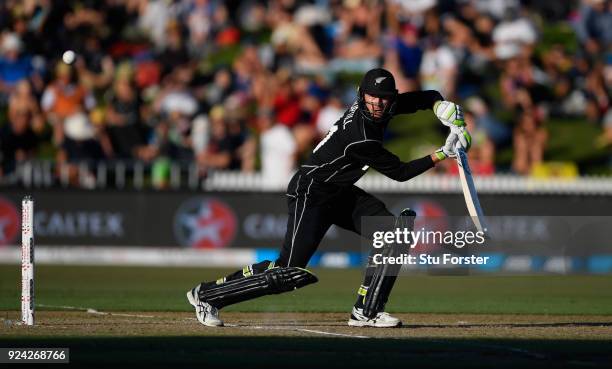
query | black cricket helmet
[378, 82]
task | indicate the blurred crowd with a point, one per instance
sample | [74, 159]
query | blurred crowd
[252, 85]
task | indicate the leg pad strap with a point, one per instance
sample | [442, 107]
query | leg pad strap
[270, 282]
[384, 275]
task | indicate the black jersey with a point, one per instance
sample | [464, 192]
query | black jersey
[355, 143]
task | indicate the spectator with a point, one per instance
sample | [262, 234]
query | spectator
[594, 25]
[513, 37]
[605, 139]
[81, 148]
[482, 153]
[438, 68]
[277, 150]
[22, 101]
[530, 138]
[496, 8]
[124, 128]
[199, 21]
[360, 31]
[175, 51]
[22, 135]
[520, 87]
[224, 145]
[153, 19]
[64, 98]
[95, 67]
[13, 66]
[220, 88]
[409, 54]
[305, 130]
[412, 12]
[598, 99]
[330, 113]
[482, 44]
[293, 44]
[482, 118]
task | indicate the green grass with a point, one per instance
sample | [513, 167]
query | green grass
[162, 289]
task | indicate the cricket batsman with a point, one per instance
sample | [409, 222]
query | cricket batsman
[322, 193]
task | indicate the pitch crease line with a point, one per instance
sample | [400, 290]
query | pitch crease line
[97, 312]
[94, 311]
[273, 328]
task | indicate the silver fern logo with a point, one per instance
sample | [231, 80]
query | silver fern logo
[378, 80]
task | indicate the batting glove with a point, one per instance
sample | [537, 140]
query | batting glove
[449, 113]
[448, 150]
[464, 138]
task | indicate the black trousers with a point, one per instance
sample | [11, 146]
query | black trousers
[314, 207]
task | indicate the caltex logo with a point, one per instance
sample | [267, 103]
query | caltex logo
[9, 222]
[205, 223]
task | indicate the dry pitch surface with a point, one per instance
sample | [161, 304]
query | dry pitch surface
[99, 339]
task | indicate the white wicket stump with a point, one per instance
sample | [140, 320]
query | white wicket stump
[27, 261]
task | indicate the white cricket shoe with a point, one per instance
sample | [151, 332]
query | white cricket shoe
[206, 313]
[381, 320]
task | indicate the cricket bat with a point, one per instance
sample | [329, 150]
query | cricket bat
[469, 192]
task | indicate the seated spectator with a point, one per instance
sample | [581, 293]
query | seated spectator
[598, 99]
[286, 102]
[410, 53]
[18, 141]
[175, 95]
[95, 67]
[496, 8]
[124, 128]
[277, 150]
[21, 101]
[495, 130]
[438, 68]
[220, 88]
[305, 129]
[482, 153]
[13, 66]
[520, 87]
[200, 134]
[330, 113]
[63, 98]
[200, 23]
[411, 9]
[226, 139]
[21, 136]
[246, 67]
[81, 148]
[594, 25]
[175, 50]
[483, 45]
[514, 30]
[294, 45]
[179, 136]
[530, 138]
[360, 30]
[605, 139]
